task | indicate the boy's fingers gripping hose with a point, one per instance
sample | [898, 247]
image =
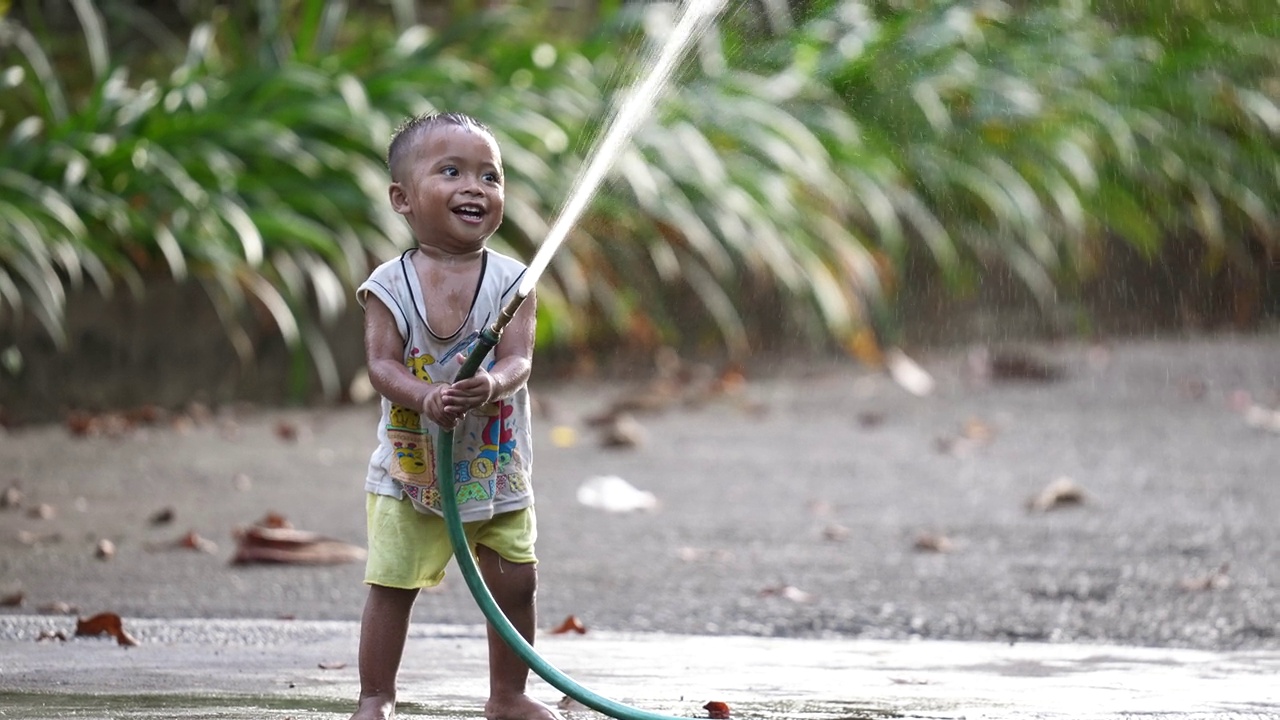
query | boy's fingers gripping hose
[480, 591]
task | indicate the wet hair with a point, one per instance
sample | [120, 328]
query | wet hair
[413, 128]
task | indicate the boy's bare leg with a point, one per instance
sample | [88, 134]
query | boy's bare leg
[383, 629]
[514, 587]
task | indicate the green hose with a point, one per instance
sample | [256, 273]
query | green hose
[467, 564]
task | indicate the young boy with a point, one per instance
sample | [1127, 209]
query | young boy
[422, 312]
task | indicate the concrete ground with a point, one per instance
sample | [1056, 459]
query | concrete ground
[873, 551]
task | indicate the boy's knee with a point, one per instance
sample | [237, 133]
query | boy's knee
[516, 582]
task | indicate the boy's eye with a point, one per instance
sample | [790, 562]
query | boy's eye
[450, 170]
[492, 177]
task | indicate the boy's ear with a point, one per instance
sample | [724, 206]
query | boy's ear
[399, 199]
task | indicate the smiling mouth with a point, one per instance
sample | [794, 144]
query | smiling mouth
[473, 213]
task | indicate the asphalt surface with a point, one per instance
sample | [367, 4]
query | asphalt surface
[819, 541]
[813, 501]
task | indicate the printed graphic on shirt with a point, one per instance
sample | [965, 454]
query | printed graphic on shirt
[412, 461]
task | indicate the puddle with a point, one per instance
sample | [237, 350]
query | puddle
[44, 706]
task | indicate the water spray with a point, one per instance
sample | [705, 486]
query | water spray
[694, 20]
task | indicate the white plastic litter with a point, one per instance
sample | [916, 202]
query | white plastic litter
[613, 494]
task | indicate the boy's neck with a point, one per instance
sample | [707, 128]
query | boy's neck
[451, 258]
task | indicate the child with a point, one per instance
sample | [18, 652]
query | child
[422, 312]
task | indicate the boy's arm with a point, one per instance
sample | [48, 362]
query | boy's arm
[513, 363]
[384, 354]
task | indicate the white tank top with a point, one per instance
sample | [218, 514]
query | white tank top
[492, 451]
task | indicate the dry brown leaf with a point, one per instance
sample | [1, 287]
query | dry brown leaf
[1022, 365]
[111, 424]
[58, 607]
[26, 537]
[787, 592]
[624, 431]
[163, 516]
[871, 418]
[14, 599]
[12, 496]
[104, 550]
[716, 710]
[105, 623]
[287, 431]
[1062, 492]
[571, 624]
[189, 541]
[835, 532]
[287, 546]
[334, 665]
[1216, 580]
[43, 511]
[691, 554]
[274, 520]
[977, 430]
[933, 542]
[568, 704]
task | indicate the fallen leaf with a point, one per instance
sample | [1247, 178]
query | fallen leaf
[26, 537]
[1061, 492]
[717, 710]
[871, 418]
[788, 592]
[287, 431]
[58, 607]
[164, 516]
[145, 415]
[1023, 365]
[83, 424]
[623, 431]
[1216, 580]
[105, 549]
[43, 511]
[287, 546]
[13, 599]
[12, 496]
[189, 541]
[977, 430]
[835, 532]
[332, 665]
[568, 704]
[51, 635]
[105, 623]
[571, 624]
[274, 520]
[933, 542]
[693, 554]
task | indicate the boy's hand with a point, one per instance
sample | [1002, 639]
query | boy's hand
[464, 396]
[436, 409]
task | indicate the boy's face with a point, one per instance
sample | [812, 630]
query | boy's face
[450, 189]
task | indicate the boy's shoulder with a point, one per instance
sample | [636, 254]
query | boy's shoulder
[505, 261]
[388, 266]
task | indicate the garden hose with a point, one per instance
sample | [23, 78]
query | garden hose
[467, 564]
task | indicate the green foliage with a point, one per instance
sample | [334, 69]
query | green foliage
[797, 165]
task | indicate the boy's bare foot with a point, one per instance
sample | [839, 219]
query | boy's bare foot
[520, 707]
[375, 707]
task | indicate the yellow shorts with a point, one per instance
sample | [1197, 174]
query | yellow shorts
[409, 549]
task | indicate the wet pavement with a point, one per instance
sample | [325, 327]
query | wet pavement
[245, 669]
[803, 593]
